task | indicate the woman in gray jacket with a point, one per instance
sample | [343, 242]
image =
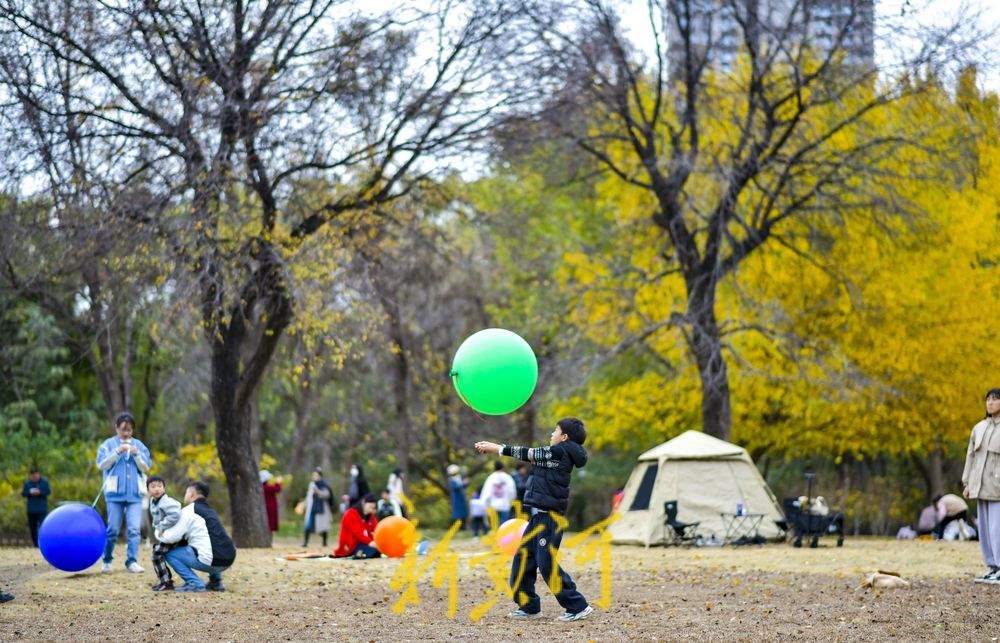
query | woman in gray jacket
[981, 480]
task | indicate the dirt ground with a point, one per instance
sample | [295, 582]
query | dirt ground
[747, 593]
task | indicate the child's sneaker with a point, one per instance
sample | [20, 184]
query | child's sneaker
[523, 614]
[163, 587]
[105, 568]
[582, 614]
[215, 586]
[135, 568]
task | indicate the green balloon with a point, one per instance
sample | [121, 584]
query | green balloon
[494, 371]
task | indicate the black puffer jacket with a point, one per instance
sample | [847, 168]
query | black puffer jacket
[223, 549]
[548, 484]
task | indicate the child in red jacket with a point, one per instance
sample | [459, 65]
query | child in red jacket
[357, 529]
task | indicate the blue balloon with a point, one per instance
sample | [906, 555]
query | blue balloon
[72, 537]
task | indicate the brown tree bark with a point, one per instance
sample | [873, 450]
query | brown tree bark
[239, 457]
[303, 429]
[936, 470]
[242, 347]
[527, 418]
[704, 339]
[400, 384]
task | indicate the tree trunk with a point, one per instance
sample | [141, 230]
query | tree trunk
[844, 478]
[303, 435]
[116, 391]
[705, 342]
[239, 456]
[150, 385]
[238, 453]
[258, 320]
[401, 370]
[936, 471]
[110, 390]
[925, 474]
[526, 420]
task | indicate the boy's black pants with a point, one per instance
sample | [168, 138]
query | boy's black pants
[537, 555]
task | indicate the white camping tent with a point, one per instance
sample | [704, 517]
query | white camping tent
[706, 476]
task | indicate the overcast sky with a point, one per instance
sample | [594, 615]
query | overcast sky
[890, 14]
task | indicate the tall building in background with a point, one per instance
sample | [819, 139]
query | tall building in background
[816, 23]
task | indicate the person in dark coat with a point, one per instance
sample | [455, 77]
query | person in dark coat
[319, 508]
[36, 491]
[521, 480]
[358, 487]
[456, 492]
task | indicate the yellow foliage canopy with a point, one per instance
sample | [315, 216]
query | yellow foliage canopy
[863, 334]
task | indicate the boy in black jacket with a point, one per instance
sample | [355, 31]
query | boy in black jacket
[547, 491]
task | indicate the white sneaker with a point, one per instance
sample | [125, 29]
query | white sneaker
[523, 614]
[105, 568]
[135, 568]
[991, 577]
[568, 616]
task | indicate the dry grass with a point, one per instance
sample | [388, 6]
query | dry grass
[718, 593]
[924, 558]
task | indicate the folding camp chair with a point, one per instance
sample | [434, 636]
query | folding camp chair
[679, 532]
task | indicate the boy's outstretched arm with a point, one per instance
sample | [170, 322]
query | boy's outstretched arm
[534, 455]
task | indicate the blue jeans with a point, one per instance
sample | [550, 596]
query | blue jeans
[184, 561]
[132, 512]
[367, 550]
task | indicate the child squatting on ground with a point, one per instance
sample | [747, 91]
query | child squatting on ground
[547, 491]
[165, 512]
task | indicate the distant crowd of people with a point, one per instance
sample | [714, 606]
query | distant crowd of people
[360, 510]
[498, 492]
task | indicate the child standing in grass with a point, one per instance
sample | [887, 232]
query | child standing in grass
[477, 515]
[547, 491]
[165, 512]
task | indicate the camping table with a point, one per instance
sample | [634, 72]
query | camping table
[738, 526]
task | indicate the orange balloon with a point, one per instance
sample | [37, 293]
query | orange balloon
[394, 536]
[509, 535]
